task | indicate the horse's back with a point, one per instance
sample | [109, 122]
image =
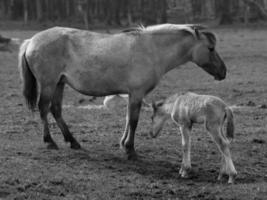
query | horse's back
[59, 38]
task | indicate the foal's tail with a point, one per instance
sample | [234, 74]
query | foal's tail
[29, 81]
[230, 128]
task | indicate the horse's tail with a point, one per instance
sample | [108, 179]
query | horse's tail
[230, 128]
[30, 91]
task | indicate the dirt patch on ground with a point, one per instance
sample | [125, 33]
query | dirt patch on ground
[100, 171]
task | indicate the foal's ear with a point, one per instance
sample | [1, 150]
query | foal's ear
[159, 103]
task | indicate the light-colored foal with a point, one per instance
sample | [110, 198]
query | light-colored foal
[190, 108]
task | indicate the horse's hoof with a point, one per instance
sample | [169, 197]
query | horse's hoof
[75, 145]
[52, 146]
[132, 156]
[122, 147]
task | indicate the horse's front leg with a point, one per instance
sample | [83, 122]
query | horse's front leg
[134, 106]
[126, 130]
[186, 148]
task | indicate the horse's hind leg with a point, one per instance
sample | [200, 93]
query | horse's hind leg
[56, 110]
[43, 105]
[134, 107]
[223, 145]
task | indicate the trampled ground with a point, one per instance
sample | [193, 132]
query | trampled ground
[100, 170]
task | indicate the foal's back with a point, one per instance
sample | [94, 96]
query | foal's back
[195, 108]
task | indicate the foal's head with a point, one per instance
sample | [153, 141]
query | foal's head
[204, 54]
[158, 118]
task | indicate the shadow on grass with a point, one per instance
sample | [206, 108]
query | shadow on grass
[146, 166]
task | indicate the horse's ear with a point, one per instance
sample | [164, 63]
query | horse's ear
[130, 30]
[197, 33]
[199, 26]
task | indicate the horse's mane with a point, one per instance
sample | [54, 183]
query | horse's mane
[163, 28]
[192, 29]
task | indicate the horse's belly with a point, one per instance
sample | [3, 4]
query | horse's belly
[96, 84]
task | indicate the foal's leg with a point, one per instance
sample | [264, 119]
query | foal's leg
[56, 110]
[186, 148]
[133, 113]
[223, 145]
[43, 106]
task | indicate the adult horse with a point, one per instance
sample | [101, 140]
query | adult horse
[97, 64]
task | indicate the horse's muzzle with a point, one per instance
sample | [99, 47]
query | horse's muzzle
[219, 78]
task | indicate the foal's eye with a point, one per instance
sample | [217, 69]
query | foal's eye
[152, 118]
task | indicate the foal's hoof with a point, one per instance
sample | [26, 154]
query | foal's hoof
[184, 172]
[75, 145]
[231, 178]
[52, 146]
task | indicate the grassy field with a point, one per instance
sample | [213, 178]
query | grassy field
[100, 170]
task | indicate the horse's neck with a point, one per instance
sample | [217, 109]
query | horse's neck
[172, 50]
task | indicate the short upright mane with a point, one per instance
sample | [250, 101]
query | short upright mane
[168, 28]
[164, 29]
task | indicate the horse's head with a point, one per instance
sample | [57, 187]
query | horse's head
[9, 44]
[204, 54]
[158, 118]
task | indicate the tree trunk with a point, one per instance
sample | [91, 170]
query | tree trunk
[257, 8]
[39, 11]
[163, 13]
[129, 12]
[68, 8]
[226, 15]
[25, 11]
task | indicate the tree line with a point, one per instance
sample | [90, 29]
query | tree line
[128, 12]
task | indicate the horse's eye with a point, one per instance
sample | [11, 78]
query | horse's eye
[211, 49]
[152, 118]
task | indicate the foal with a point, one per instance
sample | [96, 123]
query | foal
[191, 108]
